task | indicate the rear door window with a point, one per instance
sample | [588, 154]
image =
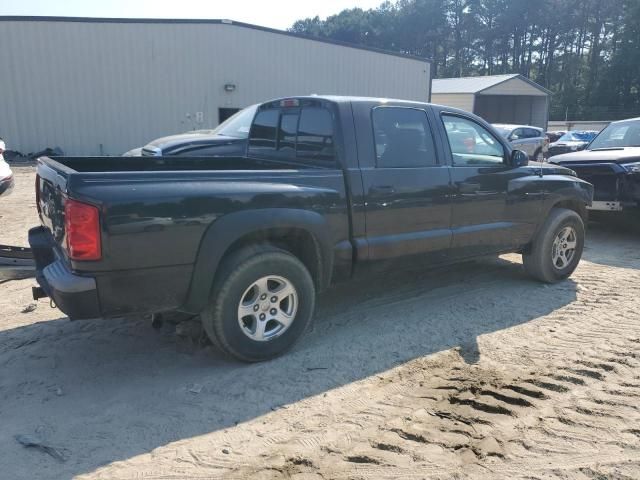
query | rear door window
[532, 133]
[402, 138]
[287, 134]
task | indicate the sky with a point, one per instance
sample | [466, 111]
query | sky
[273, 13]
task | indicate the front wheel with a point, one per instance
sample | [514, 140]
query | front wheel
[262, 302]
[557, 249]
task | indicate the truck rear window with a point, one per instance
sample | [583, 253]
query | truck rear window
[263, 130]
[315, 135]
[304, 134]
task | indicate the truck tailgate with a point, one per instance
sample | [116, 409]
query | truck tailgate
[51, 189]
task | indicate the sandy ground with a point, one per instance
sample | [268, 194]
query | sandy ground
[468, 372]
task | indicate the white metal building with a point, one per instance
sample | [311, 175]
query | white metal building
[103, 86]
[496, 98]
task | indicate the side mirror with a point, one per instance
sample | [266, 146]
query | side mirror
[519, 159]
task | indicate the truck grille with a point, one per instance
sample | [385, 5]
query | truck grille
[558, 150]
[604, 178]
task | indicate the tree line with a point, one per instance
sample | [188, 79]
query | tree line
[587, 52]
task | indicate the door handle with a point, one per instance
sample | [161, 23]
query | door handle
[382, 190]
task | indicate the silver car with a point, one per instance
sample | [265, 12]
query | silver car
[531, 140]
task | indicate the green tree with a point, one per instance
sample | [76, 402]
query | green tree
[587, 52]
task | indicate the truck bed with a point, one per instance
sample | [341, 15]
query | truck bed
[157, 213]
[146, 164]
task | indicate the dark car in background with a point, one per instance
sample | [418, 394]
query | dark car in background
[555, 136]
[573, 141]
[611, 162]
[228, 138]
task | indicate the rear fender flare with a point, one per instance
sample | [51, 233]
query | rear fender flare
[226, 230]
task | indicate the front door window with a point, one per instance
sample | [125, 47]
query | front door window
[472, 144]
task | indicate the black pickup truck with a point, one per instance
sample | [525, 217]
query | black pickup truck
[329, 188]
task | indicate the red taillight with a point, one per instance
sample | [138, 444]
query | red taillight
[82, 227]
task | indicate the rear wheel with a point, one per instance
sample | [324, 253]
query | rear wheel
[557, 249]
[262, 302]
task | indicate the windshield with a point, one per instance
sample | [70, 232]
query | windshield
[237, 126]
[618, 135]
[505, 132]
[577, 137]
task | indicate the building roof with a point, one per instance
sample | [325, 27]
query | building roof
[477, 84]
[22, 18]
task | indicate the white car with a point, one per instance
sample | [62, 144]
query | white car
[6, 175]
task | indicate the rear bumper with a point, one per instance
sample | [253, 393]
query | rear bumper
[73, 294]
[6, 185]
[106, 294]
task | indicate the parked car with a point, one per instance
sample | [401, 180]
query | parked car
[611, 163]
[530, 140]
[228, 138]
[6, 175]
[554, 136]
[329, 188]
[134, 152]
[571, 142]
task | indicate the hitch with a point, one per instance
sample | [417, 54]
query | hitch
[38, 293]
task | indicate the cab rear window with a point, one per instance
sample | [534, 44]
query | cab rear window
[301, 133]
[315, 135]
[263, 131]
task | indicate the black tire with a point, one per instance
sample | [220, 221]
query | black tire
[236, 274]
[538, 261]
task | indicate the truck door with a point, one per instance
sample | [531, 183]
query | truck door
[491, 210]
[407, 207]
